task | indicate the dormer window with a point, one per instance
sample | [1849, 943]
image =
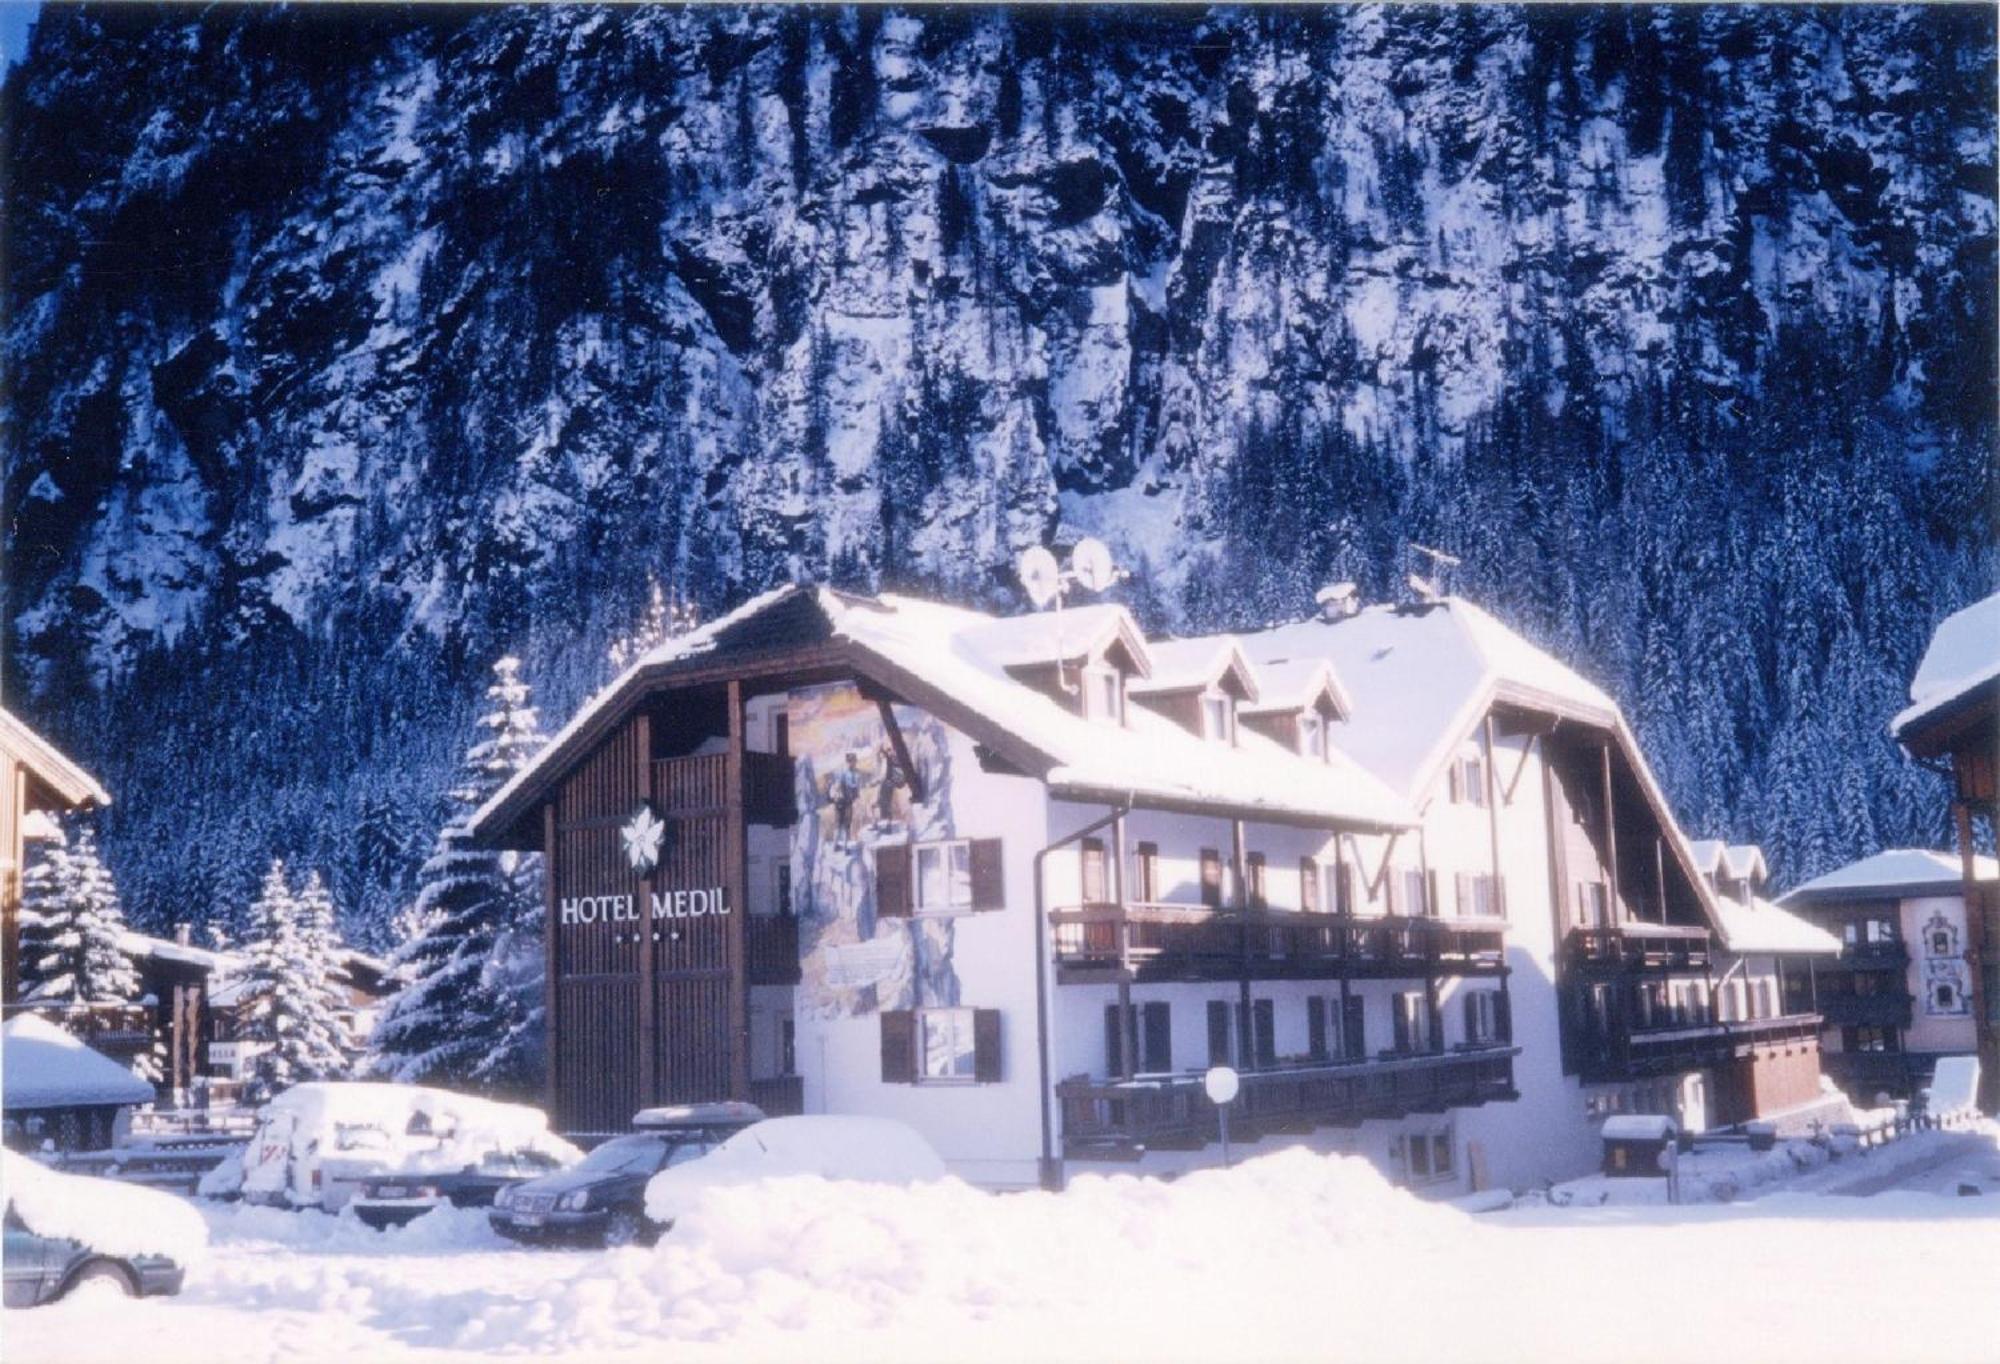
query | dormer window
[1312, 736]
[1105, 690]
[1218, 715]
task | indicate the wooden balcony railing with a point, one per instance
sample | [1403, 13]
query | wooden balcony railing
[1107, 1119]
[1162, 942]
[1874, 956]
[1640, 947]
[1888, 1010]
[1648, 1051]
[773, 949]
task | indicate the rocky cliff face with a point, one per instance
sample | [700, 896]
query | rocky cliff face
[348, 348]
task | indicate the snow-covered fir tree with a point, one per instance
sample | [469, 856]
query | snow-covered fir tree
[321, 951]
[471, 1007]
[286, 1008]
[74, 955]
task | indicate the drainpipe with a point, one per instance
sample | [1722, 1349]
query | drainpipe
[1051, 1169]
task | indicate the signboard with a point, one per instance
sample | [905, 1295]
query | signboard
[854, 966]
[701, 903]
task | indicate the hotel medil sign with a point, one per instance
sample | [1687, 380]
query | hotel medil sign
[642, 835]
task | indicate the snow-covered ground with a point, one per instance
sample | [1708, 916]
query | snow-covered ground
[1291, 1256]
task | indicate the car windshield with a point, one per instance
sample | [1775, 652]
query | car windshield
[626, 1156]
[519, 1162]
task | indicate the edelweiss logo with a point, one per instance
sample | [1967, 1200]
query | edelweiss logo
[643, 833]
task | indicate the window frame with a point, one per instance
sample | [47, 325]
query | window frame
[1217, 705]
[918, 907]
[960, 1016]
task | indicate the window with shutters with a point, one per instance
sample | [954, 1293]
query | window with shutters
[1146, 873]
[1416, 902]
[1308, 885]
[1478, 895]
[1354, 1030]
[1259, 881]
[945, 1045]
[1474, 783]
[1153, 1024]
[1211, 877]
[1482, 1017]
[788, 1044]
[944, 877]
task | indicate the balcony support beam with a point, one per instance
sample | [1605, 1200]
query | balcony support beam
[1128, 1026]
[1246, 1024]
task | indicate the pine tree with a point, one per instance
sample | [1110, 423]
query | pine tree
[321, 954]
[471, 1007]
[285, 1002]
[78, 925]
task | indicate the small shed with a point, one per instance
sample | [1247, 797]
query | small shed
[54, 1088]
[1635, 1145]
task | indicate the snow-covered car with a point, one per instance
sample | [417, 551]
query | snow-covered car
[395, 1200]
[64, 1232]
[601, 1201]
[866, 1150]
[316, 1144]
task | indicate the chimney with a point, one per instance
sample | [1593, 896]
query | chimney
[184, 934]
[1337, 601]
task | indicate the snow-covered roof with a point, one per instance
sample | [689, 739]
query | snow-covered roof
[73, 786]
[1638, 1127]
[41, 1066]
[1420, 677]
[1900, 871]
[957, 660]
[1964, 654]
[1735, 861]
[1289, 684]
[1185, 664]
[1051, 636]
[166, 949]
[1761, 927]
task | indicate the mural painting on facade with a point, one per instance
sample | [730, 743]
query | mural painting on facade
[1945, 983]
[854, 796]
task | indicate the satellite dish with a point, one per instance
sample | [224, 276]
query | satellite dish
[1040, 576]
[1090, 561]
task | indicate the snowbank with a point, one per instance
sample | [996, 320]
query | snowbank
[103, 1214]
[41, 1066]
[873, 1150]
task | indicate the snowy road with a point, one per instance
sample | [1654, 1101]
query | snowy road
[1292, 1257]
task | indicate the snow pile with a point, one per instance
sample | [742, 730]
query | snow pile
[755, 1262]
[1954, 1088]
[41, 1066]
[389, 1127]
[871, 1150]
[103, 1214]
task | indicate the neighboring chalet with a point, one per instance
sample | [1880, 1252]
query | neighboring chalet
[60, 1091]
[38, 780]
[1900, 994]
[1019, 882]
[1954, 719]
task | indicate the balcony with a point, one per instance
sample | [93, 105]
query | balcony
[1641, 947]
[1875, 956]
[1095, 943]
[1865, 1074]
[1120, 1119]
[1673, 1048]
[1879, 1010]
[773, 949]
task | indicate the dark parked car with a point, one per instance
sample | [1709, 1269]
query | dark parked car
[396, 1200]
[41, 1269]
[602, 1200]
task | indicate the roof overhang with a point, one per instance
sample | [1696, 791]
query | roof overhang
[55, 781]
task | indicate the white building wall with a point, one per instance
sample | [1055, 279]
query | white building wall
[1932, 1029]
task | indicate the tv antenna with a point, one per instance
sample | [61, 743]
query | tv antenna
[1046, 582]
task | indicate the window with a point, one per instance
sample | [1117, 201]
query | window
[1211, 878]
[1107, 694]
[1319, 1023]
[944, 877]
[1413, 1022]
[1478, 897]
[1869, 1039]
[1944, 997]
[1308, 885]
[1484, 1011]
[1593, 904]
[1146, 873]
[1312, 736]
[1094, 889]
[946, 1045]
[1264, 1032]
[788, 1047]
[785, 888]
[1218, 716]
[1468, 782]
[1259, 882]
[1427, 1156]
[781, 734]
[1416, 894]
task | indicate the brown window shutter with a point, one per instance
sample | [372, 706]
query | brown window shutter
[986, 1046]
[1503, 1017]
[1316, 1027]
[892, 882]
[989, 876]
[899, 1046]
[1471, 1017]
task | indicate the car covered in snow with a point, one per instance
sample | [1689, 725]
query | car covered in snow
[866, 1150]
[68, 1232]
[394, 1200]
[317, 1144]
[601, 1200]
